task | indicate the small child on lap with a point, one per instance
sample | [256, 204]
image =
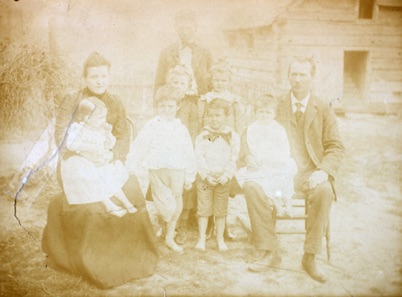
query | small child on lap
[266, 152]
[90, 174]
[217, 149]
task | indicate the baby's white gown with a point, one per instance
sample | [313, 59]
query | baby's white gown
[269, 146]
[91, 175]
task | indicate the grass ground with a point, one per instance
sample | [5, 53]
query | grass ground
[366, 236]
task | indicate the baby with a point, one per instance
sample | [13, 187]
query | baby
[90, 174]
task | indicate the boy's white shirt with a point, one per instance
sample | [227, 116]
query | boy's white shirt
[217, 157]
[161, 144]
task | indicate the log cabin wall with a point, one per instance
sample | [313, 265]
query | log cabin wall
[357, 45]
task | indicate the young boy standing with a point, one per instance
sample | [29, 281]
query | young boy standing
[164, 151]
[217, 149]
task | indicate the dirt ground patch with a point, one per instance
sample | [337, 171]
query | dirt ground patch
[366, 237]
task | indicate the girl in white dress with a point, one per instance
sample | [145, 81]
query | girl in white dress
[91, 174]
[221, 81]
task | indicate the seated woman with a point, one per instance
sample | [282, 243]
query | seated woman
[92, 227]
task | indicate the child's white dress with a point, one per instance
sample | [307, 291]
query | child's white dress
[269, 146]
[91, 175]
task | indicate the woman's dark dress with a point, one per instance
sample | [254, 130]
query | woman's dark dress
[102, 248]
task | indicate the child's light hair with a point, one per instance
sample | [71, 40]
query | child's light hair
[219, 103]
[266, 100]
[179, 70]
[168, 92]
[221, 67]
[89, 107]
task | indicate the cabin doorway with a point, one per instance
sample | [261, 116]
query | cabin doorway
[354, 75]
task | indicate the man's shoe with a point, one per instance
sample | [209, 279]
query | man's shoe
[266, 261]
[309, 264]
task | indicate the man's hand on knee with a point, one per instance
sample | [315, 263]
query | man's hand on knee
[317, 177]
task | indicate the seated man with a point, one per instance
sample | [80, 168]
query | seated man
[318, 150]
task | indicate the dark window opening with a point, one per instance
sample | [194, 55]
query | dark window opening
[354, 75]
[366, 8]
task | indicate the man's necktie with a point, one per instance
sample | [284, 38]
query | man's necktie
[298, 112]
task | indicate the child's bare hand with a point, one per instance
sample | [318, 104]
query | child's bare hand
[188, 185]
[251, 164]
[211, 180]
[223, 179]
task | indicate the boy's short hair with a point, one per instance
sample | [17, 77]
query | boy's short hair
[219, 103]
[94, 60]
[221, 67]
[168, 92]
[180, 70]
[266, 100]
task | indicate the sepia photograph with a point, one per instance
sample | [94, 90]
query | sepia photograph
[200, 148]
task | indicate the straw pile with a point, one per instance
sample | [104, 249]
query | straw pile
[32, 82]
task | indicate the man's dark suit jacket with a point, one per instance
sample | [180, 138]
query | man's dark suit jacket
[322, 138]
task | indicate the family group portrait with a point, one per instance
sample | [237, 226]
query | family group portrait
[200, 148]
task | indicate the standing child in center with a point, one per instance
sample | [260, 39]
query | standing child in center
[217, 149]
[164, 151]
[220, 76]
